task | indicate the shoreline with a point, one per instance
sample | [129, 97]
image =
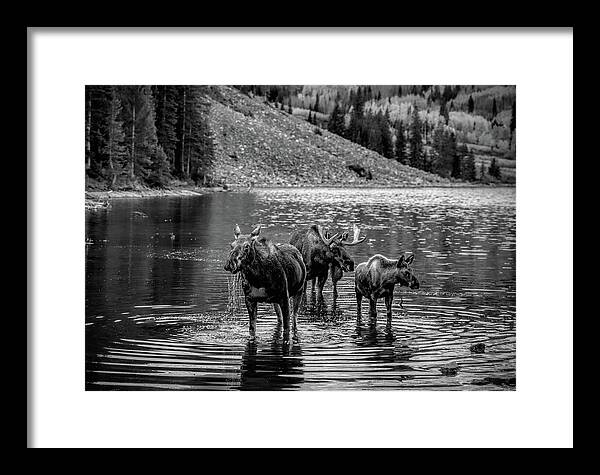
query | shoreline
[97, 199]
[198, 190]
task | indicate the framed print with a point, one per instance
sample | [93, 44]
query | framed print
[268, 227]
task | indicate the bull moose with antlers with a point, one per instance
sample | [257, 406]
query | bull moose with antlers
[323, 253]
[271, 273]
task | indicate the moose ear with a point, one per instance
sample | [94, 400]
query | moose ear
[237, 231]
[256, 231]
[345, 236]
[409, 259]
[401, 261]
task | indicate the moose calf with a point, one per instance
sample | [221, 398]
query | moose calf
[377, 278]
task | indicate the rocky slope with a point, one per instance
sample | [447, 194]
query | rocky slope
[260, 145]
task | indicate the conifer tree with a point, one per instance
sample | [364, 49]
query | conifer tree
[336, 121]
[468, 165]
[471, 105]
[400, 149]
[444, 111]
[387, 145]
[115, 144]
[494, 169]
[356, 117]
[139, 128]
[415, 140]
[166, 100]
[513, 123]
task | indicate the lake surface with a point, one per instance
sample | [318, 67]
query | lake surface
[159, 314]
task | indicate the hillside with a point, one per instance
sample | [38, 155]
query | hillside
[255, 143]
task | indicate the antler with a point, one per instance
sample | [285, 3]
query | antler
[326, 241]
[256, 231]
[355, 240]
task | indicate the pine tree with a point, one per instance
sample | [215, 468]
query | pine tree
[471, 105]
[415, 140]
[88, 124]
[513, 124]
[99, 105]
[159, 169]
[356, 116]
[387, 145]
[290, 111]
[139, 127]
[400, 150]
[427, 161]
[444, 111]
[494, 108]
[336, 121]
[468, 172]
[494, 169]
[166, 100]
[115, 145]
[445, 160]
[316, 108]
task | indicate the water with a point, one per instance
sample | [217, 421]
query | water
[158, 313]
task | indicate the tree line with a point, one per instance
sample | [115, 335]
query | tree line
[413, 144]
[147, 135]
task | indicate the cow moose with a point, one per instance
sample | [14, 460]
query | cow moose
[323, 253]
[271, 273]
[377, 278]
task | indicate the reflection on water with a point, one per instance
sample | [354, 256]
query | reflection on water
[157, 313]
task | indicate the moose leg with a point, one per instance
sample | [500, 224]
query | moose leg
[295, 307]
[285, 312]
[373, 308]
[358, 306]
[278, 312]
[320, 285]
[251, 305]
[304, 299]
[388, 306]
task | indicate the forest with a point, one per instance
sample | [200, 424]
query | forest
[146, 135]
[432, 128]
[154, 136]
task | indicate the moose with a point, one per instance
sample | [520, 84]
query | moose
[271, 273]
[377, 278]
[323, 253]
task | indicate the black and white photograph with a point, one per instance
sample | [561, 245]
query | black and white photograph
[267, 237]
[300, 237]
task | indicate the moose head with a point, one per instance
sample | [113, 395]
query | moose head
[404, 274]
[242, 249]
[337, 245]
